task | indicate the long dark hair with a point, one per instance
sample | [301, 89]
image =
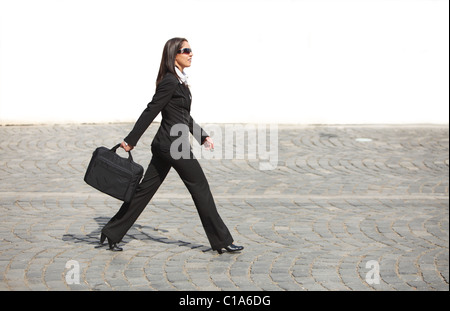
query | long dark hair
[168, 58]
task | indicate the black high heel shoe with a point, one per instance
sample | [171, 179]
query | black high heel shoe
[231, 248]
[112, 246]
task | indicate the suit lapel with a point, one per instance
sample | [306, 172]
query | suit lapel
[186, 92]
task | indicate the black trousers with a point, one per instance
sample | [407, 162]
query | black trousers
[195, 180]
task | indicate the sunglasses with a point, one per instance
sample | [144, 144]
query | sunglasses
[184, 51]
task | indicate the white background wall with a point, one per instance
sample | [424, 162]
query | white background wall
[279, 61]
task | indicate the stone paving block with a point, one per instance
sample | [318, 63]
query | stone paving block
[330, 206]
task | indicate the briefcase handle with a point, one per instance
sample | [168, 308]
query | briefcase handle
[114, 149]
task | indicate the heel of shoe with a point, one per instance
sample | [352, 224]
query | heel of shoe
[102, 238]
[220, 251]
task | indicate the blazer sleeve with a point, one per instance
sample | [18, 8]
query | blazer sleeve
[196, 131]
[163, 94]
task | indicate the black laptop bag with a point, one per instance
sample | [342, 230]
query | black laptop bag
[113, 175]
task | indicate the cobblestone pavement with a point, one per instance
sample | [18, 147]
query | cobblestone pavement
[344, 206]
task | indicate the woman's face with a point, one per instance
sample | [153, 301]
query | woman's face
[183, 60]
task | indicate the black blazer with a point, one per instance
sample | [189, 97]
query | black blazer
[173, 100]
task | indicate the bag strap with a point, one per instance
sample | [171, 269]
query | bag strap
[114, 149]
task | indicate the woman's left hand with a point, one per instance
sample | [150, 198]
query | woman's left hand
[208, 143]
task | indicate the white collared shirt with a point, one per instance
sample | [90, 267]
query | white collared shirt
[183, 77]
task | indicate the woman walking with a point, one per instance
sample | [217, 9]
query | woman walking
[173, 99]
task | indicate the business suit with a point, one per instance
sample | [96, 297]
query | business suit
[173, 100]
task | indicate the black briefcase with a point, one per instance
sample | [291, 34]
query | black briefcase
[111, 174]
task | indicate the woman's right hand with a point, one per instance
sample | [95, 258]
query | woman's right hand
[126, 147]
[209, 144]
